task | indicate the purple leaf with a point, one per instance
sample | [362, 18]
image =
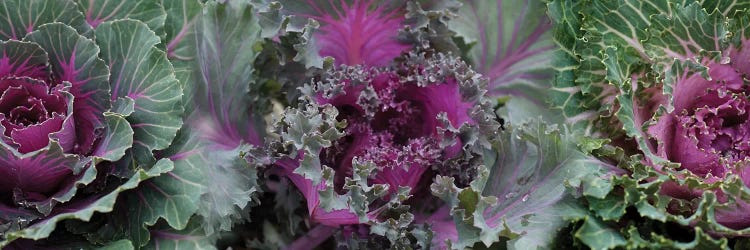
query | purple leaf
[37, 176]
[30, 112]
[353, 33]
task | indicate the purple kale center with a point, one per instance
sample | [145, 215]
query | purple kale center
[395, 126]
[30, 111]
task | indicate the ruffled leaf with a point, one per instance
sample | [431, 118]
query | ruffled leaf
[40, 172]
[583, 89]
[658, 57]
[222, 182]
[526, 199]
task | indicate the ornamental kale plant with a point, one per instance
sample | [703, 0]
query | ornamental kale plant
[665, 82]
[362, 165]
[384, 134]
[86, 101]
[406, 150]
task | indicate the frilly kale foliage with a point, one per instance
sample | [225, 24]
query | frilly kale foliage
[664, 83]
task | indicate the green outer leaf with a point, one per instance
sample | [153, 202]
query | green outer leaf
[123, 106]
[118, 137]
[173, 197]
[511, 44]
[686, 33]
[224, 182]
[221, 108]
[225, 72]
[41, 230]
[150, 12]
[599, 236]
[179, 27]
[526, 199]
[142, 72]
[16, 16]
[180, 42]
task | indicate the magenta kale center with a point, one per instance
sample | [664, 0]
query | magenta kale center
[395, 125]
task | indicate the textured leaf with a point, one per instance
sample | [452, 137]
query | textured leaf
[511, 43]
[85, 209]
[271, 19]
[613, 34]
[206, 170]
[225, 73]
[20, 17]
[180, 42]
[142, 72]
[610, 46]
[74, 59]
[179, 27]
[598, 236]
[683, 36]
[526, 202]
[172, 197]
[224, 182]
[227, 116]
[148, 11]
